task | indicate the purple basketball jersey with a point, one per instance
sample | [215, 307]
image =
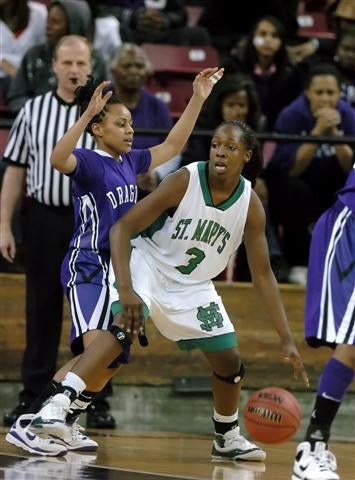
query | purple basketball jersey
[329, 313]
[103, 190]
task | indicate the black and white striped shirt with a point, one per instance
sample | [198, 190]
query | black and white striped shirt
[36, 130]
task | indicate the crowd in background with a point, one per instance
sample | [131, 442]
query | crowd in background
[269, 82]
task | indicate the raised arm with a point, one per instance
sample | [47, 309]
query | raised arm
[62, 158]
[264, 281]
[179, 134]
[167, 195]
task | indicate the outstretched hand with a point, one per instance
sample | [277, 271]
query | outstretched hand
[132, 318]
[291, 355]
[98, 99]
[205, 81]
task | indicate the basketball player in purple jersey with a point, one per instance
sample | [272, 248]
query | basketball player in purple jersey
[104, 187]
[330, 321]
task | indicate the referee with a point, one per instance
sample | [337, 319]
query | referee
[48, 222]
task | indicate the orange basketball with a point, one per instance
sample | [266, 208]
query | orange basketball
[272, 415]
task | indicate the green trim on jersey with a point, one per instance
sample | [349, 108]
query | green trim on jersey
[203, 175]
[211, 344]
[158, 224]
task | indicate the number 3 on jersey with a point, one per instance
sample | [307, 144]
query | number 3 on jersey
[197, 256]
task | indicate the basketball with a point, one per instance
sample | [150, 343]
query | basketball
[272, 415]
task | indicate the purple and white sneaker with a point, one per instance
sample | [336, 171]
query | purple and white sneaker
[20, 436]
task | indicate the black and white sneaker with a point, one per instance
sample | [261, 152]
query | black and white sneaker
[317, 464]
[233, 446]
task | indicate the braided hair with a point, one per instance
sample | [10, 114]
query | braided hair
[83, 96]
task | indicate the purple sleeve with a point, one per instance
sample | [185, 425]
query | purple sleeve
[86, 171]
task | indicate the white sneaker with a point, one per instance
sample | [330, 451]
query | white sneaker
[74, 440]
[232, 446]
[20, 436]
[317, 464]
[51, 418]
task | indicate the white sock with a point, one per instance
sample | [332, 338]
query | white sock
[73, 381]
[225, 418]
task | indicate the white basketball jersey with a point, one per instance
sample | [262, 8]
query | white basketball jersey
[195, 244]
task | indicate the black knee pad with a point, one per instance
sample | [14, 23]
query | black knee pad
[121, 336]
[232, 379]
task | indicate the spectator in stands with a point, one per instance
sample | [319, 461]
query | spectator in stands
[105, 31]
[264, 57]
[345, 61]
[22, 25]
[35, 75]
[342, 56]
[344, 13]
[130, 70]
[144, 21]
[303, 178]
[340, 15]
[48, 222]
[227, 29]
[235, 98]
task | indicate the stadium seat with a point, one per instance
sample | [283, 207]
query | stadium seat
[180, 59]
[313, 25]
[4, 133]
[175, 92]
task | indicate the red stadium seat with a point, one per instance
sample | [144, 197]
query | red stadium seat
[179, 59]
[313, 24]
[4, 133]
[174, 92]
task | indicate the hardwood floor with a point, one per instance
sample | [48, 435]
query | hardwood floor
[156, 456]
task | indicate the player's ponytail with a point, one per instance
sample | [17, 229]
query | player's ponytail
[83, 96]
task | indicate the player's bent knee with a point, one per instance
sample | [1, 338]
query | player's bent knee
[121, 336]
[232, 379]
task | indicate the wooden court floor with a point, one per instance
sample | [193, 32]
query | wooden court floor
[156, 456]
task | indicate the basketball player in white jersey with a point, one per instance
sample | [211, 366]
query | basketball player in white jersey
[189, 227]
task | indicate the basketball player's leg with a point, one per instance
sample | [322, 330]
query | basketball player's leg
[332, 242]
[335, 380]
[228, 372]
[313, 456]
[59, 415]
[95, 384]
[90, 309]
[86, 332]
[92, 370]
[110, 347]
[226, 366]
